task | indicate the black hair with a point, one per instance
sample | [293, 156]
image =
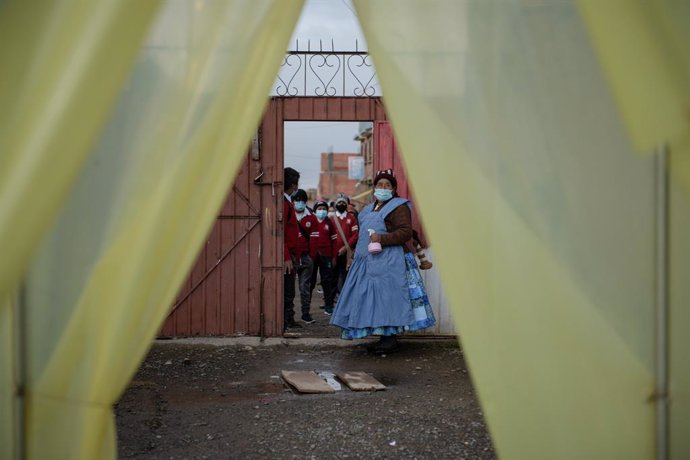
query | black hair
[290, 178]
[319, 204]
[300, 195]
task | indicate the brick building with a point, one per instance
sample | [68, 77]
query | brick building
[334, 175]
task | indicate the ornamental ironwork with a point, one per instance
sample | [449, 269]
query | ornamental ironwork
[326, 73]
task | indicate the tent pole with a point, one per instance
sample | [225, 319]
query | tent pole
[20, 371]
[662, 264]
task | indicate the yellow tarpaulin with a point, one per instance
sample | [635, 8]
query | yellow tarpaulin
[531, 114]
[543, 213]
[644, 50]
[103, 279]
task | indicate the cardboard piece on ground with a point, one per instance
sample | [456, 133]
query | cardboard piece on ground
[361, 381]
[306, 382]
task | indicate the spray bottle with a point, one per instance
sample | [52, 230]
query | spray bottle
[373, 247]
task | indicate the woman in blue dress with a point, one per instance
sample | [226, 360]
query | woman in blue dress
[383, 294]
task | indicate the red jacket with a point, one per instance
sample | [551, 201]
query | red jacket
[290, 231]
[321, 236]
[350, 228]
[302, 245]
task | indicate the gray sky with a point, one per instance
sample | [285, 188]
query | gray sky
[304, 141]
[326, 20]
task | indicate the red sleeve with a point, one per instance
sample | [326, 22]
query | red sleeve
[290, 229]
[352, 241]
[286, 217]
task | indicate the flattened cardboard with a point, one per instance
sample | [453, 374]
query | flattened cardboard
[306, 382]
[361, 381]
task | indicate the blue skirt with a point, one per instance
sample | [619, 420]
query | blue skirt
[419, 304]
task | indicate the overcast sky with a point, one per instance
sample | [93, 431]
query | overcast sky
[326, 20]
[304, 142]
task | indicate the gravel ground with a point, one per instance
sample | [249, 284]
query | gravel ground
[202, 401]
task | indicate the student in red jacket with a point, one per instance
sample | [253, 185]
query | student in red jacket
[304, 265]
[290, 232]
[350, 229]
[321, 242]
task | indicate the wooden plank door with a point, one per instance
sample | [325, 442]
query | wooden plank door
[223, 293]
[236, 284]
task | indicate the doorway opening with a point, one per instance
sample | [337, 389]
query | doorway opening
[332, 158]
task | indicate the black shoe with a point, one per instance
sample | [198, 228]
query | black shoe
[388, 344]
[306, 318]
[374, 345]
[328, 310]
[291, 323]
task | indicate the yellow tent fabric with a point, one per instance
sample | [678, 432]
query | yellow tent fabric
[644, 50]
[62, 66]
[104, 277]
[526, 179]
[528, 182]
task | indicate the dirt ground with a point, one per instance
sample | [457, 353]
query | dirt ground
[204, 401]
[224, 398]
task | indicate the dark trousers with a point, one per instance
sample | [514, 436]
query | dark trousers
[304, 273]
[340, 272]
[324, 266]
[289, 295]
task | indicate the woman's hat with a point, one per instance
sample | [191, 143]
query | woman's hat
[386, 174]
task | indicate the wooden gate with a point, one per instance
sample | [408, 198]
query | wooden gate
[387, 156]
[227, 269]
[236, 284]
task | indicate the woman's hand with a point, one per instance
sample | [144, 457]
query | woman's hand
[375, 238]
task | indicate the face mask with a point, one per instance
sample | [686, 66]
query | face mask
[321, 213]
[331, 214]
[341, 207]
[383, 194]
[300, 205]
